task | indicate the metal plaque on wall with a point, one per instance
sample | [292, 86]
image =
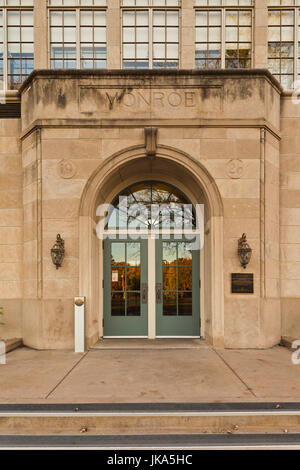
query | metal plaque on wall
[242, 283]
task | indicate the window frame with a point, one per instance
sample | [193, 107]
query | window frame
[223, 4]
[77, 8]
[150, 9]
[5, 9]
[296, 40]
[223, 9]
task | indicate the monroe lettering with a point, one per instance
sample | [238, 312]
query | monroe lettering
[145, 99]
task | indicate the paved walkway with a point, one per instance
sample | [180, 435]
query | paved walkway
[166, 371]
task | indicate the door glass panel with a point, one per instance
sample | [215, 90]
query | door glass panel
[170, 278]
[117, 278]
[117, 304]
[184, 278]
[133, 278]
[133, 254]
[185, 303]
[184, 254]
[133, 304]
[177, 278]
[169, 253]
[125, 279]
[118, 253]
[169, 303]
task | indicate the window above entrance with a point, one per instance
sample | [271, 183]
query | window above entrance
[151, 205]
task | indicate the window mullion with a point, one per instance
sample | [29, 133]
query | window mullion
[78, 65]
[295, 43]
[223, 38]
[252, 38]
[150, 38]
[5, 51]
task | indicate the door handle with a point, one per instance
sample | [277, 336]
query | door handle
[144, 293]
[158, 292]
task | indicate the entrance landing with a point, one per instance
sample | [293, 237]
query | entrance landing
[195, 374]
[159, 343]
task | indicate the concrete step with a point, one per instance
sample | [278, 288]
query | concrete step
[155, 442]
[149, 418]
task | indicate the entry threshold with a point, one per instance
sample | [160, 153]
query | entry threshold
[167, 409]
[148, 442]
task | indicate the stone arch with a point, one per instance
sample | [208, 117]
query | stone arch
[171, 166]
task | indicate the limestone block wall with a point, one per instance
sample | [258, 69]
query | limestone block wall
[235, 159]
[11, 228]
[270, 319]
[290, 217]
[228, 124]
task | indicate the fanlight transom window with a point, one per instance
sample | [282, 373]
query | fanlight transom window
[151, 205]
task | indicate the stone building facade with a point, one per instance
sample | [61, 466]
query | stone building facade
[225, 138]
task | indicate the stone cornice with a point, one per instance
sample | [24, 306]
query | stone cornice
[187, 123]
[147, 74]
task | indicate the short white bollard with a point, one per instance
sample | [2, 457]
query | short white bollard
[2, 352]
[79, 324]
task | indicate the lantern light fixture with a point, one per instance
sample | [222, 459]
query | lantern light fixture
[244, 251]
[58, 251]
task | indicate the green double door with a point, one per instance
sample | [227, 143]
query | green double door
[174, 299]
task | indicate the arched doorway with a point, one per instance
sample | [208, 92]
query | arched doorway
[151, 262]
[172, 167]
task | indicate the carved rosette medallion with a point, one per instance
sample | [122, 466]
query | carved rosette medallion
[66, 169]
[235, 169]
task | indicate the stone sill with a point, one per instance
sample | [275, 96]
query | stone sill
[12, 343]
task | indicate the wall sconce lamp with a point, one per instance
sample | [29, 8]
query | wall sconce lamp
[244, 251]
[58, 251]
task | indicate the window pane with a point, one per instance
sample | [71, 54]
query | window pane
[172, 51]
[27, 18]
[142, 18]
[128, 18]
[13, 34]
[86, 34]
[172, 18]
[142, 51]
[128, 51]
[27, 34]
[128, 35]
[231, 18]
[214, 34]
[231, 34]
[201, 18]
[70, 35]
[69, 18]
[99, 18]
[99, 34]
[287, 33]
[55, 18]
[86, 17]
[245, 18]
[201, 35]
[56, 34]
[158, 51]
[13, 17]
[159, 18]
[172, 35]
[214, 18]
[142, 35]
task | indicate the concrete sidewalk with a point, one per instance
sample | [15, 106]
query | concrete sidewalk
[169, 371]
